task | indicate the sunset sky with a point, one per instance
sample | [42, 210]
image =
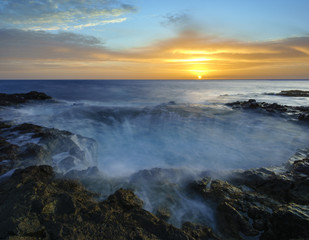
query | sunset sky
[140, 39]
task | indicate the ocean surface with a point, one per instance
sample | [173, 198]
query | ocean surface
[168, 124]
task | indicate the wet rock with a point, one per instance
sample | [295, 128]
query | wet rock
[199, 232]
[19, 98]
[267, 203]
[36, 204]
[232, 205]
[125, 199]
[4, 125]
[301, 167]
[163, 213]
[8, 150]
[294, 93]
[286, 184]
[303, 116]
[36, 145]
[291, 222]
[33, 154]
[231, 221]
[291, 112]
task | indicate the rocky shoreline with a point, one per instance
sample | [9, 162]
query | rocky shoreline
[40, 200]
[292, 93]
[290, 112]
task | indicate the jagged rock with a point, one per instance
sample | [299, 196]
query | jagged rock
[231, 205]
[19, 98]
[36, 204]
[163, 213]
[289, 183]
[301, 167]
[291, 222]
[294, 93]
[199, 232]
[28, 144]
[263, 202]
[231, 221]
[4, 125]
[292, 112]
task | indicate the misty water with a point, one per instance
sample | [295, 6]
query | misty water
[155, 135]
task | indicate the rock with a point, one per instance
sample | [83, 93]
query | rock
[232, 205]
[19, 98]
[292, 112]
[163, 213]
[231, 221]
[199, 232]
[291, 222]
[267, 203]
[294, 93]
[4, 125]
[301, 167]
[36, 145]
[126, 199]
[36, 204]
[33, 154]
[287, 184]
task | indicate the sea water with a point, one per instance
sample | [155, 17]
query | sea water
[144, 125]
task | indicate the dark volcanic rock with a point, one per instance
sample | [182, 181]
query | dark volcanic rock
[199, 232]
[268, 203]
[28, 144]
[294, 93]
[19, 98]
[36, 205]
[292, 112]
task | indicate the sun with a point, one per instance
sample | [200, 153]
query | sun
[199, 77]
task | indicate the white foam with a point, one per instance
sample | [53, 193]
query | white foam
[7, 174]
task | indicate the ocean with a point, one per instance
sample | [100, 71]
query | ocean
[159, 124]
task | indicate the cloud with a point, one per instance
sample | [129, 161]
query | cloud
[19, 44]
[178, 19]
[188, 54]
[60, 14]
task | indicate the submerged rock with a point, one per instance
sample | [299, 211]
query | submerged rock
[19, 98]
[292, 112]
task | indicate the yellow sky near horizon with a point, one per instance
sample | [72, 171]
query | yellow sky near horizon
[189, 55]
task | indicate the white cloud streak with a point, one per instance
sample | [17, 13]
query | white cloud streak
[51, 15]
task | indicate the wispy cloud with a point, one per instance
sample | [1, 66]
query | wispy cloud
[61, 14]
[186, 55]
[177, 19]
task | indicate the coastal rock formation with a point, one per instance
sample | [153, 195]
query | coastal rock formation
[292, 112]
[27, 144]
[19, 98]
[293, 93]
[40, 200]
[268, 203]
[37, 205]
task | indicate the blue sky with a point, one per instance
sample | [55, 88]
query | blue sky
[117, 27]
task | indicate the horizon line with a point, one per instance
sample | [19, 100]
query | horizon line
[151, 79]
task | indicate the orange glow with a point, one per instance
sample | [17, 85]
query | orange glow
[187, 56]
[189, 60]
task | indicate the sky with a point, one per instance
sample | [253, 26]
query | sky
[140, 39]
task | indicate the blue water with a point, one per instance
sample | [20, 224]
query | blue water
[167, 124]
[138, 127]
